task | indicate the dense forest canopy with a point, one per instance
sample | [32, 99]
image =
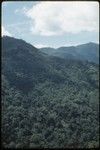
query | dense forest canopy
[48, 101]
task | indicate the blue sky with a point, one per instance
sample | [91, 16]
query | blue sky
[51, 24]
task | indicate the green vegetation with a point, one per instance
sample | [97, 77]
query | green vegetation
[88, 51]
[48, 102]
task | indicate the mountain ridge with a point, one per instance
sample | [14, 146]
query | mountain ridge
[48, 101]
[88, 51]
[24, 63]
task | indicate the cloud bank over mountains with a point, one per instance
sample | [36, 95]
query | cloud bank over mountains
[52, 24]
[57, 18]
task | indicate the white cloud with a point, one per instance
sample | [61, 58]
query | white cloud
[55, 18]
[5, 32]
[40, 45]
[57, 46]
[22, 11]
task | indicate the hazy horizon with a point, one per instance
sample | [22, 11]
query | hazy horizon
[51, 46]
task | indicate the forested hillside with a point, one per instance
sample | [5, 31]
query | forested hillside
[47, 101]
[88, 51]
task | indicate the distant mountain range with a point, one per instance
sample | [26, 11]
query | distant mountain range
[88, 51]
[25, 66]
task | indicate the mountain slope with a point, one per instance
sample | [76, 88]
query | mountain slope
[89, 51]
[47, 101]
[20, 61]
[25, 66]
